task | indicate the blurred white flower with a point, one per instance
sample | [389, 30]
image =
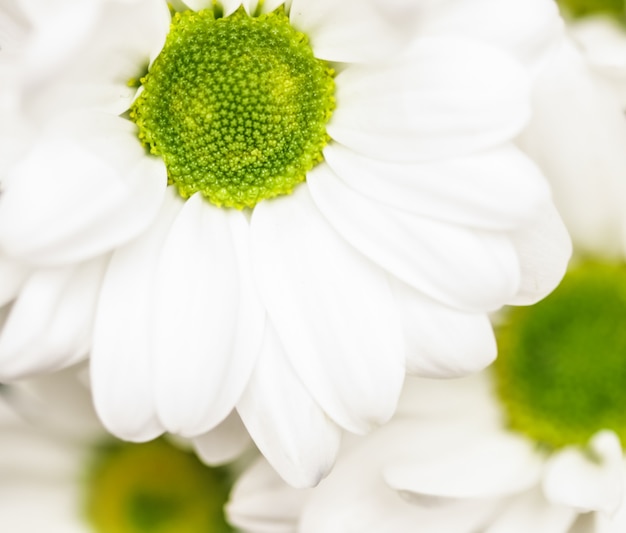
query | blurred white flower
[303, 311]
[533, 445]
[61, 472]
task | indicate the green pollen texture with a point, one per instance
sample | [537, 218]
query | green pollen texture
[561, 371]
[582, 8]
[154, 488]
[237, 106]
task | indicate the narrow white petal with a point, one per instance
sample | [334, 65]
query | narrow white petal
[223, 443]
[285, 422]
[573, 479]
[122, 366]
[332, 309]
[450, 97]
[468, 269]
[50, 323]
[262, 502]
[346, 31]
[492, 465]
[208, 323]
[443, 342]
[532, 512]
[499, 189]
[544, 250]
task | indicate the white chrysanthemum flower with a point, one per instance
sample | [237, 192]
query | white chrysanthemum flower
[64, 474]
[327, 204]
[578, 132]
[535, 445]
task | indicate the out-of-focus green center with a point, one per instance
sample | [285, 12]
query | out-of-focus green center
[154, 488]
[561, 370]
[581, 8]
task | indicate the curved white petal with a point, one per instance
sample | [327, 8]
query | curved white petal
[354, 497]
[332, 309]
[449, 97]
[56, 212]
[208, 323]
[529, 29]
[532, 512]
[573, 479]
[544, 249]
[468, 269]
[122, 366]
[498, 189]
[346, 31]
[576, 135]
[12, 276]
[224, 443]
[262, 502]
[50, 323]
[443, 342]
[285, 422]
[491, 465]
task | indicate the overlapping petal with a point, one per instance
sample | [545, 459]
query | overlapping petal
[285, 421]
[332, 309]
[208, 322]
[449, 97]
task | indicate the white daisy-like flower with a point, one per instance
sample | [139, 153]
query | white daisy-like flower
[328, 202]
[65, 474]
[533, 445]
[577, 133]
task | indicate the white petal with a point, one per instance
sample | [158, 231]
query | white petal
[332, 309]
[492, 465]
[346, 31]
[531, 512]
[224, 443]
[573, 479]
[122, 359]
[55, 213]
[450, 97]
[528, 29]
[208, 323]
[13, 276]
[50, 323]
[262, 502]
[498, 189]
[576, 135]
[469, 269]
[544, 249]
[443, 342]
[354, 498]
[285, 422]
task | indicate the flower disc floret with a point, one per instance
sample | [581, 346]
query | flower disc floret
[561, 371]
[154, 487]
[237, 106]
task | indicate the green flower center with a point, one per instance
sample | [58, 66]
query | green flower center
[237, 106]
[154, 488]
[561, 371]
[581, 8]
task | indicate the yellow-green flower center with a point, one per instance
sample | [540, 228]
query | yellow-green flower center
[154, 488]
[561, 370]
[236, 106]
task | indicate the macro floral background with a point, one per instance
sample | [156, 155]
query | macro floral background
[295, 266]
